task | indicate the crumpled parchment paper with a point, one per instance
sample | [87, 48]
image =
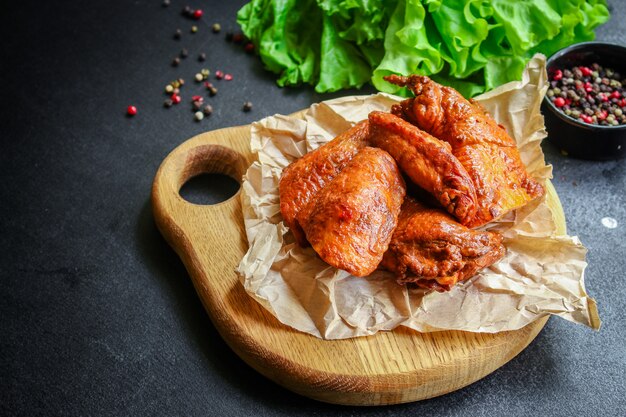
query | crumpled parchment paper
[542, 272]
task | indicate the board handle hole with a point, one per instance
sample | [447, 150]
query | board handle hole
[212, 174]
[209, 189]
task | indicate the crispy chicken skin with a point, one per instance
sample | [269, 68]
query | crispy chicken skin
[483, 147]
[427, 161]
[432, 250]
[351, 220]
[302, 180]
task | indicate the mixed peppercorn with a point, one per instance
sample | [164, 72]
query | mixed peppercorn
[592, 94]
[173, 89]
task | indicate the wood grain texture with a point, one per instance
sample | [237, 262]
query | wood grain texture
[387, 368]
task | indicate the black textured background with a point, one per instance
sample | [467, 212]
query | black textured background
[98, 315]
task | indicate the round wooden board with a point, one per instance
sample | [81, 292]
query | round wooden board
[387, 368]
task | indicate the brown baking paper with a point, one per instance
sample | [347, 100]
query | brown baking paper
[542, 272]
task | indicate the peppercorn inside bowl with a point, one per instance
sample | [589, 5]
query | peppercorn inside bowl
[585, 105]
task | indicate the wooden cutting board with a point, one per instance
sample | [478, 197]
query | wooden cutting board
[388, 368]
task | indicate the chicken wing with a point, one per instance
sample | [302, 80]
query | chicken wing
[351, 220]
[428, 161]
[483, 147]
[302, 180]
[431, 249]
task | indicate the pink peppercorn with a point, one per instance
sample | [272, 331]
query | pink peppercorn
[559, 102]
[228, 77]
[131, 110]
[587, 119]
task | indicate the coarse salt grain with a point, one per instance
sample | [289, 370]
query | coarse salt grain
[609, 222]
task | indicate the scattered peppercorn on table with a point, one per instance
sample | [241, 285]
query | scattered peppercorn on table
[99, 316]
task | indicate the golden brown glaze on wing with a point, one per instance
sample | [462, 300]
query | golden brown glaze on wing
[304, 178]
[431, 249]
[351, 220]
[428, 161]
[487, 152]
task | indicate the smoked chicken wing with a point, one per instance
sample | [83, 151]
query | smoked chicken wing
[304, 178]
[431, 249]
[428, 161]
[487, 152]
[351, 220]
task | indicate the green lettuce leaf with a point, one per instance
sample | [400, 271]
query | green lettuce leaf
[288, 37]
[408, 50]
[472, 45]
[341, 63]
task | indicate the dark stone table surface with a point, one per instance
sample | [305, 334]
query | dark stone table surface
[97, 313]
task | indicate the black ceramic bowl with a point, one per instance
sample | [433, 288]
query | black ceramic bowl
[577, 138]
